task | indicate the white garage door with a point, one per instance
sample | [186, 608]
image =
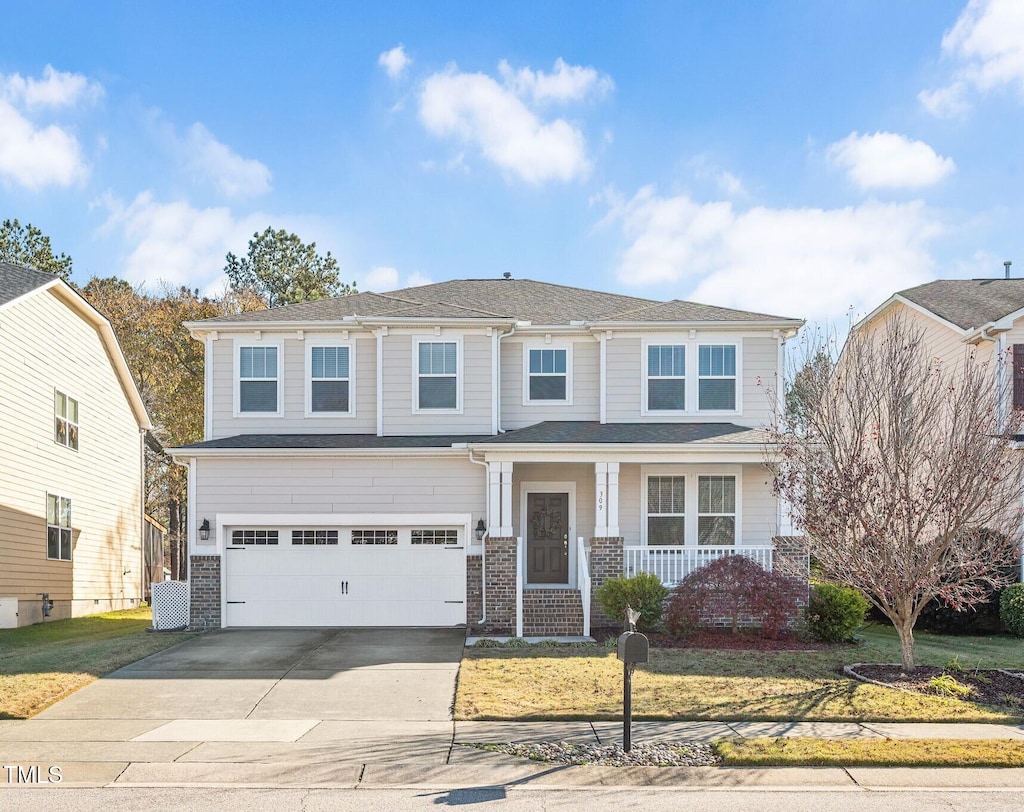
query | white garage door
[344, 576]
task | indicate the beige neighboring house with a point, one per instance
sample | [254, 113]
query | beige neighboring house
[959, 316]
[72, 428]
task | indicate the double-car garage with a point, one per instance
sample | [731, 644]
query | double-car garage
[338, 570]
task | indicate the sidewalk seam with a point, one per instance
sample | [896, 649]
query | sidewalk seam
[197, 744]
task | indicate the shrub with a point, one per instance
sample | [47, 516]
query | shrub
[644, 592]
[1011, 609]
[834, 612]
[734, 588]
[947, 685]
[982, 618]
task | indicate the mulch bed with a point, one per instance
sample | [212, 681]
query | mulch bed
[989, 686]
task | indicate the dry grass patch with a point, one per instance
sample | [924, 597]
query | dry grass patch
[807, 752]
[700, 684]
[43, 663]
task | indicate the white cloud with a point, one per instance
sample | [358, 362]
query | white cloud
[394, 61]
[35, 157]
[812, 263]
[235, 176]
[54, 89]
[987, 43]
[383, 279]
[565, 83]
[473, 108]
[889, 160]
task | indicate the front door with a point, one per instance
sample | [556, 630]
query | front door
[547, 538]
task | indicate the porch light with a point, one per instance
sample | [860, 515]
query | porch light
[204, 530]
[481, 528]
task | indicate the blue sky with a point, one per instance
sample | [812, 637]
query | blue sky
[800, 158]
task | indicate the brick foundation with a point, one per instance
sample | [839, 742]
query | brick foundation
[204, 592]
[499, 565]
[552, 613]
[474, 589]
[605, 563]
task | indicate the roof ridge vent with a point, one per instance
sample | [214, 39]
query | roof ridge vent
[1006, 266]
[507, 274]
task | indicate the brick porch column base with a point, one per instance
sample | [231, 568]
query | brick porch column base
[499, 585]
[204, 592]
[605, 563]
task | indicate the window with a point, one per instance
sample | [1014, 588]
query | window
[258, 380]
[548, 375]
[254, 537]
[717, 377]
[438, 375]
[666, 377]
[313, 537]
[58, 527]
[375, 537]
[666, 510]
[716, 510]
[1018, 376]
[65, 420]
[330, 380]
[435, 537]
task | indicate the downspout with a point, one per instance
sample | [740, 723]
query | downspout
[142, 510]
[483, 541]
[497, 378]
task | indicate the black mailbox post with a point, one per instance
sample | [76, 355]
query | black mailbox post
[632, 649]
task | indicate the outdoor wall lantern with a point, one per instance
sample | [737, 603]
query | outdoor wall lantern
[481, 528]
[204, 530]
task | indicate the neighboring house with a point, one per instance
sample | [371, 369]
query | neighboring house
[72, 427]
[983, 317]
[481, 452]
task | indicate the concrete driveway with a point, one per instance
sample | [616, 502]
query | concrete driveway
[256, 702]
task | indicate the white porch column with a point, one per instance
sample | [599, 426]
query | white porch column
[613, 499]
[506, 499]
[494, 499]
[600, 499]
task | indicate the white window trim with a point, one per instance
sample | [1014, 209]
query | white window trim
[415, 368]
[663, 341]
[350, 345]
[541, 344]
[731, 515]
[77, 424]
[71, 527]
[693, 473]
[237, 382]
[714, 341]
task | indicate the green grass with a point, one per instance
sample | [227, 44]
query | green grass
[807, 752]
[699, 684]
[41, 664]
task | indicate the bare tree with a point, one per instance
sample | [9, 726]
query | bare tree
[901, 472]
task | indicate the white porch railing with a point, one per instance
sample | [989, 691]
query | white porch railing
[583, 582]
[672, 564]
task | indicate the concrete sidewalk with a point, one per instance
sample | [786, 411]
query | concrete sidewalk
[436, 754]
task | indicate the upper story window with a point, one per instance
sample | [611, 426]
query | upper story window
[58, 527]
[716, 510]
[547, 378]
[666, 377]
[259, 380]
[65, 420]
[716, 384]
[330, 380]
[1018, 376]
[437, 378]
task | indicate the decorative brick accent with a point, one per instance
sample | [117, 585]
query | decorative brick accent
[204, 591]
[792, 557]
[474, 590]
[499, 565]
[605, 563]
[552, 613]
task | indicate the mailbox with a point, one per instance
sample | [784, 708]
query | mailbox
[633, 648]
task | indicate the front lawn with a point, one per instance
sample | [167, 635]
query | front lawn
[550, 682]
[807, 752]
[43, 663]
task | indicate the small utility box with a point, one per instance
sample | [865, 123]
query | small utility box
[8, 613]
[633, 648]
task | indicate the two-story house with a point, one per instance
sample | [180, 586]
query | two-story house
[482, 452]
[983, 317]
[72, 428]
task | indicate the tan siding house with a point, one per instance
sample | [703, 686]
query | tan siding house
[71, 431]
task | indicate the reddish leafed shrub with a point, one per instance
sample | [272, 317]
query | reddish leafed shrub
[733, 590]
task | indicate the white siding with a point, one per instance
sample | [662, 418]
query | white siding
[334, 485]
[45, 345]
[586, 381]
[580, 473]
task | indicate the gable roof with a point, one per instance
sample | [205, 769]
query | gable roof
[968, 303]
[16, 281]
[541, 303]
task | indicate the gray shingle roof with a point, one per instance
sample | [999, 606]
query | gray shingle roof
[16, 281]
[548, 432]
[969, 303]
[542, 303]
